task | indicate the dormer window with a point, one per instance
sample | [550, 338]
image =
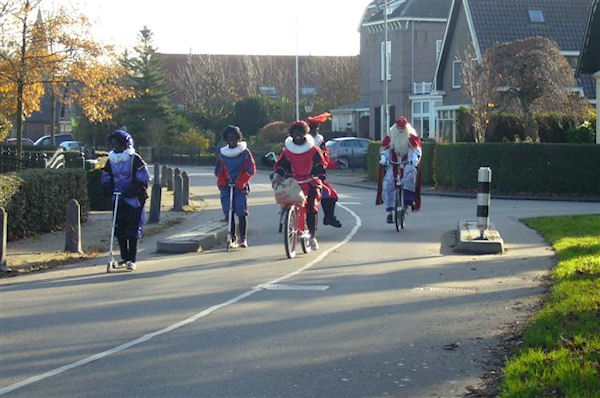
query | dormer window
[536, 16]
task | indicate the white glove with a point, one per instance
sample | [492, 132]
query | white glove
[383, 161]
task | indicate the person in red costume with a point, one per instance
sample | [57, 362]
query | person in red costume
[330, 195]
[401, 145]
[303, 161]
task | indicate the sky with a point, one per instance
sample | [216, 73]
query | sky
[251, 27]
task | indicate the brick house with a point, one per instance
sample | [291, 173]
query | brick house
[483, 23]
[415, 30]
[589, 59]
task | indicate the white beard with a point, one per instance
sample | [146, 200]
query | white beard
[399, 142]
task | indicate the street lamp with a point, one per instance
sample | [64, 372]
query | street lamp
[383, 5]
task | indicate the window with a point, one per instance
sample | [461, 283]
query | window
[536, 16]
[421, 119]
[438, 49]
[456, 74]
[386, 48]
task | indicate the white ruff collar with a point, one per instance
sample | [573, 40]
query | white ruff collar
[298, 149]
[319, 140]
[120, 157]
[233, 152]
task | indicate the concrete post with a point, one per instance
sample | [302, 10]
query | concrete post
[155, 200]
[169, 179]
[163, 176]
[73, 228]
[3, 225]
[186, 188]
[484, 179]
[177, 195]
[156, 173]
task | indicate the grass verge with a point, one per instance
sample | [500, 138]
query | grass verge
[560, 356]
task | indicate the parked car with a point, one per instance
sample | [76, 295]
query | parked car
[71, 145]
[13, 141]
[46, 140]
[349, 151]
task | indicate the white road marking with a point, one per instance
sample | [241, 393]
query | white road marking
[279, 286]
[186, 321]
[348, 203]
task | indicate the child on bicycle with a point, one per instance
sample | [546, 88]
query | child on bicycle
[399, 160]
[235, 166]
[330, 195]
[126, 172]
[303, 161]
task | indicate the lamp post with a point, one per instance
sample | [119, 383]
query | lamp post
[385, 70]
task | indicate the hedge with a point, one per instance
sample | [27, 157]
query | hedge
[553, 169]
[35, 199]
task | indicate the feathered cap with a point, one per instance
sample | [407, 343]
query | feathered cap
[314, 121]
[122, 136]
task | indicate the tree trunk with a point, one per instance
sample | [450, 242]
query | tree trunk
[19, 118]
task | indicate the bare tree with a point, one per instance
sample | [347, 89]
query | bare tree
[480, 84]
[533, 76]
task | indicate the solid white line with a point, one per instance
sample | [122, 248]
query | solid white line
[186, 321]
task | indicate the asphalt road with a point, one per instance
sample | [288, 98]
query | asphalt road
[368, 315]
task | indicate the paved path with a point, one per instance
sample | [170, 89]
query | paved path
[369, 314]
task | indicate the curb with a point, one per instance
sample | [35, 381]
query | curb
[195, 240]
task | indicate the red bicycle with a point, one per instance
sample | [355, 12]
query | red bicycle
[293, 223]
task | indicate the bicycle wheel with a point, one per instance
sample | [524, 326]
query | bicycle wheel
[290, 238]
[398, 217]
[402, 209]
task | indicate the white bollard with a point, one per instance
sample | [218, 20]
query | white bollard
[484, 178]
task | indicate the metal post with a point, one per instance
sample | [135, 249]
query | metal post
[186, 188]
[178, 193]
[155, 200]
[484, 179]
[385, 71]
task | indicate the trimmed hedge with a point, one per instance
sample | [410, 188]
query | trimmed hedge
[35, 199]
[553, 169]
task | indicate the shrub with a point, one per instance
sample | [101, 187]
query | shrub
[274, 132]
[192, 138]
[562, 169]
[35, 199]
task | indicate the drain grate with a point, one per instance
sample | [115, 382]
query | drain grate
[445, 289]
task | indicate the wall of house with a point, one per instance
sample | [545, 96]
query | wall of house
[410, 39]
[460, 40]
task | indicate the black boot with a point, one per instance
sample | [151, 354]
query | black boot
[329, 209]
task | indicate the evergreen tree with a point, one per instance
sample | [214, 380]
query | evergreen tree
[148, 115]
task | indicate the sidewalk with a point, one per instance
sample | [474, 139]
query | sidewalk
[47, 250]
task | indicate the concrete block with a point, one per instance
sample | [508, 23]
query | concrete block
[468, 239]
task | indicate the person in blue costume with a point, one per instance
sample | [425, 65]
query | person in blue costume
[235, 166]
[126, 172]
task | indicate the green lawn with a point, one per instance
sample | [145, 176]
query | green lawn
[560, 356]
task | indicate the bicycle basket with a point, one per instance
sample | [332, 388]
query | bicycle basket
[288, 192]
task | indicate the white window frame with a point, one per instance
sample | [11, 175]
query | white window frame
[386, 46]
[456, 64]
[438, 49]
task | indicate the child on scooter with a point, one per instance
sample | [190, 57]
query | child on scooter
[235, 166]
[126, 172]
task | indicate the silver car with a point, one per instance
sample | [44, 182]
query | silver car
[349, 151]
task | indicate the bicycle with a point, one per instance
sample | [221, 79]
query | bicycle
[400, 207]
[293, 222]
